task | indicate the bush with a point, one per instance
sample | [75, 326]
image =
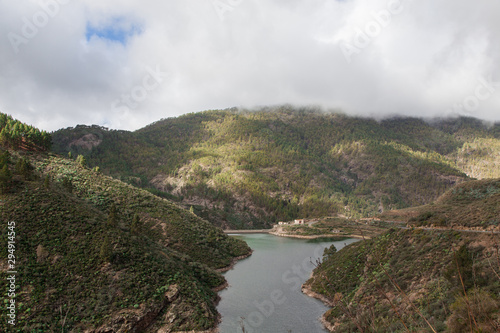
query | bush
[477, 312]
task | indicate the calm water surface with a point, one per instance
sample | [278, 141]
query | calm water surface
[264, 291]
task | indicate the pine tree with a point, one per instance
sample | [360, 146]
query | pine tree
[135, 226]
[460, 270]
[24, 168]
[45, 140]
[329, 251]
[46, 182]
[5, 179]
[67, 184]
[4, 136]
[106, 251]
[112, 218]
[4, 159]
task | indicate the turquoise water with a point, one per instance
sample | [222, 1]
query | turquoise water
[264, 293]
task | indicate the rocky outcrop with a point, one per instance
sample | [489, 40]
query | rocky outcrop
[307, 290]
[138, 320]
[87, 141]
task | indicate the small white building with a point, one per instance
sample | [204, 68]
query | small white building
[301, 221]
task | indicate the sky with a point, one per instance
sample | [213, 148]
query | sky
[126, 64]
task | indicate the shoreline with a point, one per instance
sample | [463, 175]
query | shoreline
[220, 288]
[306, 290]
[233, 262]
[318, 236]
[280, 234]
[248, 231]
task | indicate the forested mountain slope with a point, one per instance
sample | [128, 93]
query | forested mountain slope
[248, 169]
[98, 255]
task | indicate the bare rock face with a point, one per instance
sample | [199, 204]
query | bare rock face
[87, 141]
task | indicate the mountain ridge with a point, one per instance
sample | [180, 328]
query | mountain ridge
[249, 169]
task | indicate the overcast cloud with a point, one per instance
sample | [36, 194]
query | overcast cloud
[124, 64]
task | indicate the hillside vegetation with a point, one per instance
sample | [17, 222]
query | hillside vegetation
[470, 205]
[16, 134]
[413, 280]
[243, 169]
[421, 279]
[98, 255]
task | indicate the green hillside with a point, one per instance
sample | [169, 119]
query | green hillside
[93, 253]
[421, 279]
[243, 169]
[18, 135]
[409, 281]
[470, 205]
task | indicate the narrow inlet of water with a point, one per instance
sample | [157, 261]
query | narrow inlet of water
[264, 294]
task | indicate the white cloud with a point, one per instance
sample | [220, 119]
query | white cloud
[426, 59]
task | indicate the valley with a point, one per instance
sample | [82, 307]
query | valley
[132, 231]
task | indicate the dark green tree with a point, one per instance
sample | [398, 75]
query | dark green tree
[460, 270]
[112, 217]
[106, 250]
[24, 168]
[46, 182]
[329, 251]
[135, 227]
[4, 158]
[67, 184]
[5, 179]
[4, 136]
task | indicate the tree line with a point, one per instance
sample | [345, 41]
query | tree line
[17, 135]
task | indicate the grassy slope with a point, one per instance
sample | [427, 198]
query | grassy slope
[65, 283]
[362, 280]
[252, 168]
[473, 204]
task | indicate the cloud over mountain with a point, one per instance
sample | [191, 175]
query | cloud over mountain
[66, 62]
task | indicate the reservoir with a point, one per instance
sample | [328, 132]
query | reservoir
[264, 293]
